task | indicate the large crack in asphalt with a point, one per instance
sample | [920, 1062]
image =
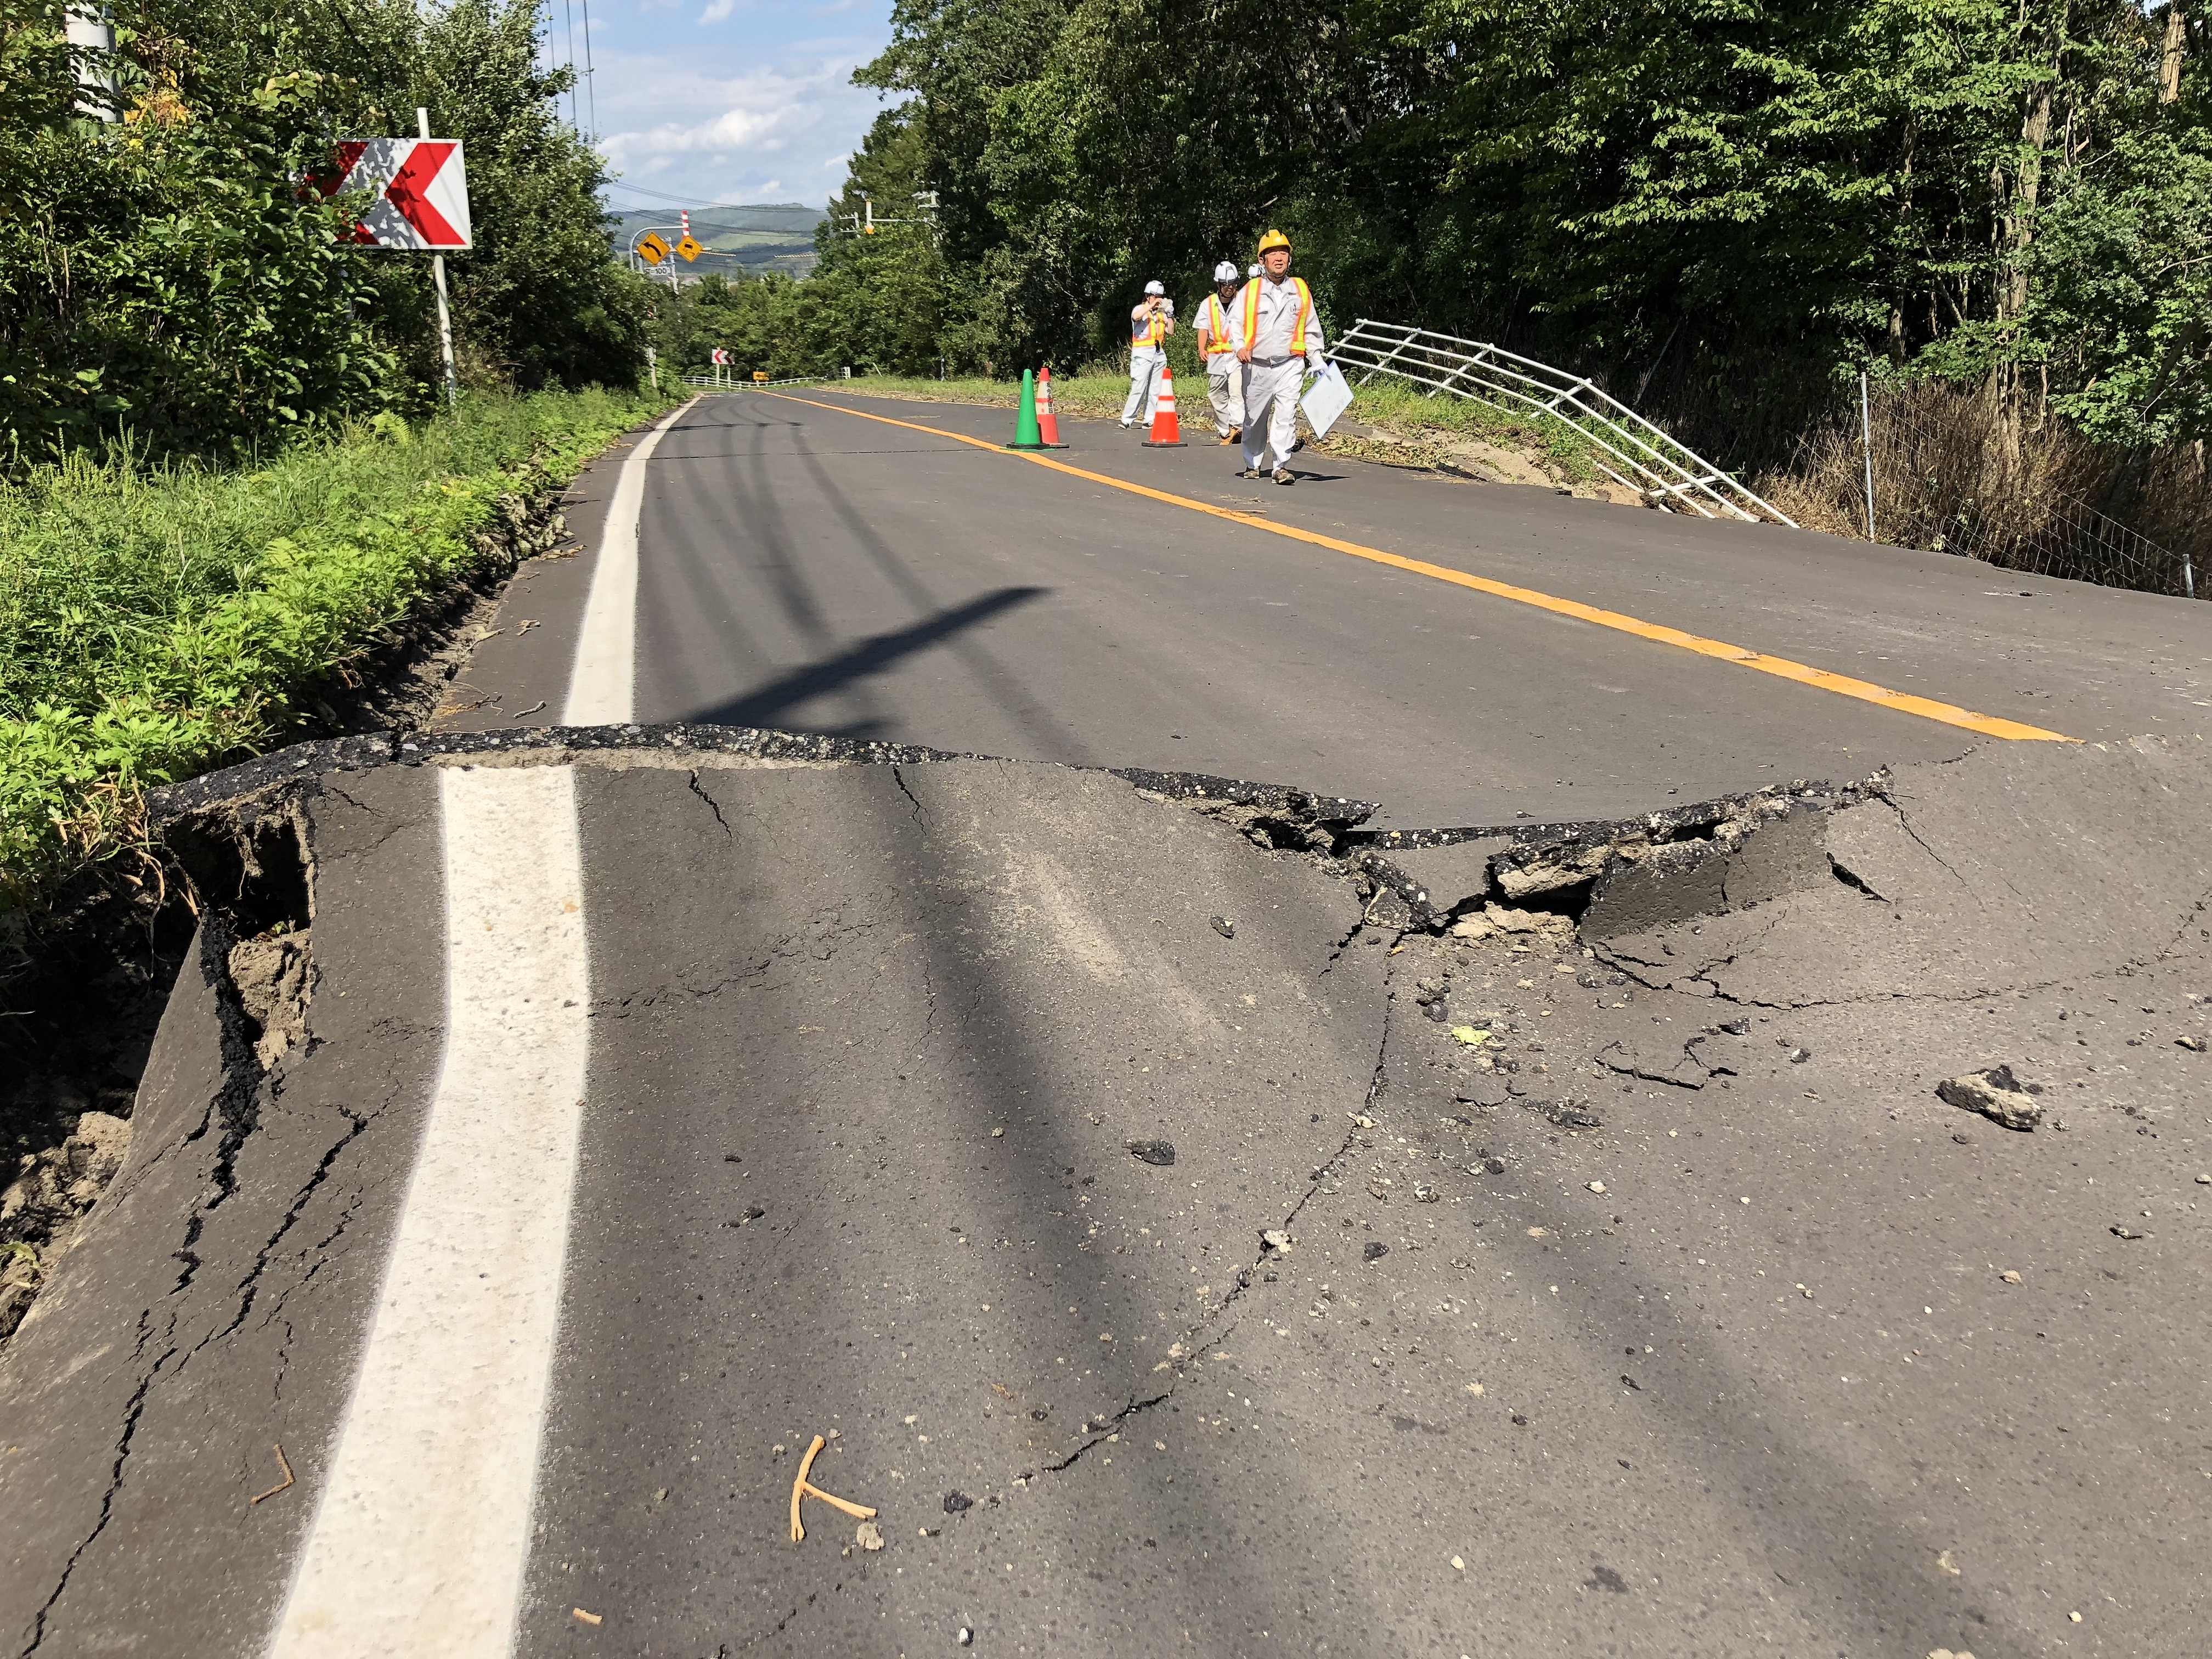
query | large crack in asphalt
[1567, 865]
[234, 1109]
[1211, 1331]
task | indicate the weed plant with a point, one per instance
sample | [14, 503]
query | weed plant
[155, 623]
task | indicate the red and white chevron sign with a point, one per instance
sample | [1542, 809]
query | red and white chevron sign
[721, 358]
[422, 187]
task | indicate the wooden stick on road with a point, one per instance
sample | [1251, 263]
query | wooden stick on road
[802, 1487]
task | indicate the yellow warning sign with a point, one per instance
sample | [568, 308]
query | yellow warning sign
[760, 374]
[690, 249]
[651, 248]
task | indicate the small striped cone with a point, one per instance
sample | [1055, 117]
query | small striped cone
[1048, 427]
[1167, 431]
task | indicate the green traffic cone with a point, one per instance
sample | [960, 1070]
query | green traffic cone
[1026, 435]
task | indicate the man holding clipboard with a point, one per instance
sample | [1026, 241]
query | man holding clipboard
[1279, 336]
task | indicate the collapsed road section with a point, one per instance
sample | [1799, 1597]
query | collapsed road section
[1190, 1221]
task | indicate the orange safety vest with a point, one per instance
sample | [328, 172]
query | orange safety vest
[1297, 328]
[1151, 330]
[1214, 323]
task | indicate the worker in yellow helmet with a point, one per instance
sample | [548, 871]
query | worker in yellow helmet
[1279, 341]
[1217, 344]
[1150, 324]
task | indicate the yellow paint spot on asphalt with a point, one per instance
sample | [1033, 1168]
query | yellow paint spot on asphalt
[1991, 726]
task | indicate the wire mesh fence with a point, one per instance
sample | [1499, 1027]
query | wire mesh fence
[1626, 447]
[2074, 540]
[1948, 475]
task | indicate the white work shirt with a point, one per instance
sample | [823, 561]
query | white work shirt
[1224, 340]
[1278, 316]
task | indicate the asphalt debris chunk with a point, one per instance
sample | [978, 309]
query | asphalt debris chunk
[1375, 1250]
[957, 1501]
[1160, 1152]
[1226, 928]
[1995, 1094]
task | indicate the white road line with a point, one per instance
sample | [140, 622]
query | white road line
[602, 685]
[421, 1537]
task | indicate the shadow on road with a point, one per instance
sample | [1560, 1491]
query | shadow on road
[766, 704]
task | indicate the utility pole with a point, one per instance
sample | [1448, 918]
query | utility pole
[445, 312]
[590, 87]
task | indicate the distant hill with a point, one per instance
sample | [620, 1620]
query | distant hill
[775, 236]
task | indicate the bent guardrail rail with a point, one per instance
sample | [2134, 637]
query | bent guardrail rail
[712, 384]
[1649, 461]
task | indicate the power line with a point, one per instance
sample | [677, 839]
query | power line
[693, 202]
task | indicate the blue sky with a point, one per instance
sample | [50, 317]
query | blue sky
[727, 101]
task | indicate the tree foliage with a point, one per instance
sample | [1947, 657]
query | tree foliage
[167, 283]
[1730, 203]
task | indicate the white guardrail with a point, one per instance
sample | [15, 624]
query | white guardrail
[1649, 462]
[713, 385]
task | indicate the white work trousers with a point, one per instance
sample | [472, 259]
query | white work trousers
[1271, 412]
[1224, 388]
[1145, 363]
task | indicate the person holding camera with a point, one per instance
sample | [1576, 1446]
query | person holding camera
[1150, 324]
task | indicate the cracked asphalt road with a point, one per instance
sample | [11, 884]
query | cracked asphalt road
[856, 1162]
[1640, 1296]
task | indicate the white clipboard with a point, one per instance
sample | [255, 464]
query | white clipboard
[1326, 399]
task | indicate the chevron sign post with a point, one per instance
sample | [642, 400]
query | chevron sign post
[421, 205]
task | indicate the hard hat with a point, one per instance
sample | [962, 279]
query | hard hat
[1272, 240]
[1225, 271]
[1255, 271]
[1155, 288]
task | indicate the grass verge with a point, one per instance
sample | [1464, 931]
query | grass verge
[1088, 395]
[155, 625]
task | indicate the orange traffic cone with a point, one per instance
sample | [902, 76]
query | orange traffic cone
[1167, 432]
[1048, 427]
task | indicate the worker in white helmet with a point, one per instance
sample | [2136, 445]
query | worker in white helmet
[1280, 342]
[1150, 324]
[1217, 344]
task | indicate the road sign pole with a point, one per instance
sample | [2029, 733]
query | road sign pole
[445, 311]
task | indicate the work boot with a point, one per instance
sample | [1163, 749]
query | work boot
[1228, 438]
[1283, 476]
[1296, 444]
[1253, 473]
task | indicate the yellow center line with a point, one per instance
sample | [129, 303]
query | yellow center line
[1991, 726]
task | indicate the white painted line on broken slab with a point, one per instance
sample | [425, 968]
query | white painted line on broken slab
[603, 684]
[423, 1529]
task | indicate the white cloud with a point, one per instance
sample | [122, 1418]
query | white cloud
[717, 12]
[679, 126]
